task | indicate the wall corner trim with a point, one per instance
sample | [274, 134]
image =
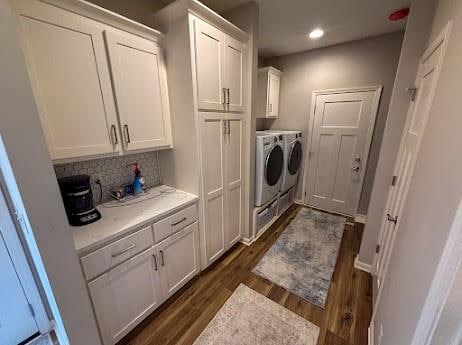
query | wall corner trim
[370, 334]
[362, 266]
[247, 241]
[361, 218]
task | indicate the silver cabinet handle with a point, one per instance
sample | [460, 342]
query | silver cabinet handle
[224, 96]
[270, 107]
[131, 246]
[127, 134]
[162, 262]
[155, 262]
[227, 90]
[229, 126]
[179, 222]
[115, 141]
[225, 129]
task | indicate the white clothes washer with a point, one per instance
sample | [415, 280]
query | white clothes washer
[293, 152]
[269, 166]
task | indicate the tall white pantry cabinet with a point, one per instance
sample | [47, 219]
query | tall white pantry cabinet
[206, 65]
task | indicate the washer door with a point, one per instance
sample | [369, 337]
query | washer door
[295, 158]
[273, 165]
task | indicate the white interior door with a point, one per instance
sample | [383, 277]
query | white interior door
[342, 128]
[140, 85]
[69, 73]
[213, 184]
[233, 177]
[17, 322]
[234, 74]
[412, 135]
[209, 48]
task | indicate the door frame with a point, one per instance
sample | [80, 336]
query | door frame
[8, 232]
[377, 89]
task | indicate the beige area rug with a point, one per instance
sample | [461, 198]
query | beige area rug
[249, 318]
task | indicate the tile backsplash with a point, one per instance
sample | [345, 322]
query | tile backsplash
[113, 172]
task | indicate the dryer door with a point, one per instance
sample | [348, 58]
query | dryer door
[273, 165]
[295, 158]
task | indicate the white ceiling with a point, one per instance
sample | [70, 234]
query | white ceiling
[284, 24]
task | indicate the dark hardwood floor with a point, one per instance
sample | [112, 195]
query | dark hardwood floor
[344, 321]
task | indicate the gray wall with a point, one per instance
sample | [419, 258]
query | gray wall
[366, 62]
[449, 328]
[137, 10]
[434, 196]
[414, 42]
[52, 245]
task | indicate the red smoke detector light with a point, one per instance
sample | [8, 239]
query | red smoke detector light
[398, 15]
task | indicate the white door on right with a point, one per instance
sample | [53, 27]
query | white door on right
[427, 77]
[342, 126]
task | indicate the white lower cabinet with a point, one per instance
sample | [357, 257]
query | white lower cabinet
[125, 295]
[178, 258]
[222, 181]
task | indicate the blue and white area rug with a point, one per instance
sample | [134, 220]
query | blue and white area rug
[303, 258]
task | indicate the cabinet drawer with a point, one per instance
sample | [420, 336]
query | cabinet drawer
[175, 222]
[107, 257]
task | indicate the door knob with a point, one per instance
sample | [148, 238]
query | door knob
[355, 168]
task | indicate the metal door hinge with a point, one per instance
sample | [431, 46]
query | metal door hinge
[377, 249]
[412, 91]
[392, 219]
[394, 179]
[31, 308]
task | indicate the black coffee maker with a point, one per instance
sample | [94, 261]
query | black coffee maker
[78, 200]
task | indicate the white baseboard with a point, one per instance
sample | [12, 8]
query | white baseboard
[299, 202]
[362, 266]
[247, 241]
[360, 218]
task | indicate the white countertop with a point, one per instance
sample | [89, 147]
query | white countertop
[121, 220]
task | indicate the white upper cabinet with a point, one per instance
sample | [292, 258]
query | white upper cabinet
[140, 84]
[68, 68]
[234, 74]
[219, 69]
[269, 80]
[210, 43]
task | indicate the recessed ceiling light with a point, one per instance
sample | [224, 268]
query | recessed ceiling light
[316, 33]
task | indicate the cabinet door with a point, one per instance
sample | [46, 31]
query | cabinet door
[213, 167]
[178, 258]
[209, 48]
[234, 74]
[273, 95]
[68, 68]
[140, 85]
[125, 295]
[234, 187]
